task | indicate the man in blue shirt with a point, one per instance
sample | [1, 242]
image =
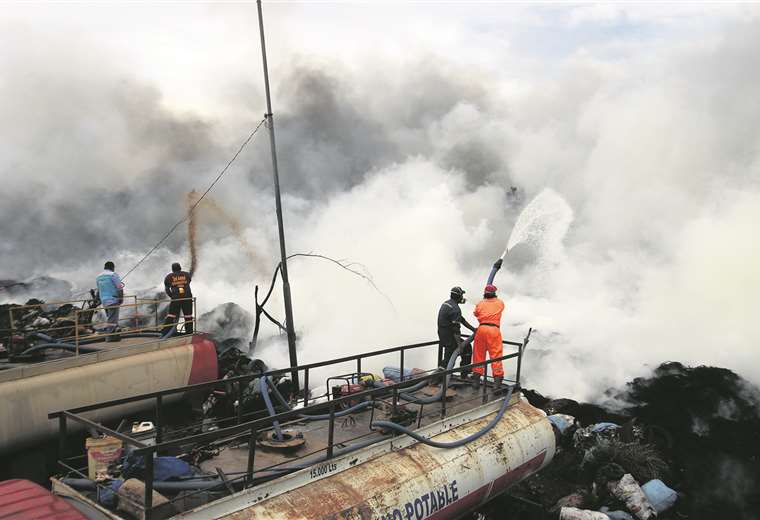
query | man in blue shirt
[111, 291]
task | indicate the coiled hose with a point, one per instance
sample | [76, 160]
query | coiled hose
[454, 444]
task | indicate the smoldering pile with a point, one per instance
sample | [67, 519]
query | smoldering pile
[41, 287]
[683, 445]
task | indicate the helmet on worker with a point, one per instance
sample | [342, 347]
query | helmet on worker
[489, 291]
[457, 294]
[176, 267]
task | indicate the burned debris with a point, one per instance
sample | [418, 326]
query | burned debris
[683, 445]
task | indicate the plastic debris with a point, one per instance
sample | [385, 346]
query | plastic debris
[562, 421]
[101, 452]
[660, 495]
[616, 515]
[629, 491]
[573, 513]
[584, 438]
[107, 496]
[574, 500]
[164, 468]
[603, 427]
[394, 373]
[144, 426]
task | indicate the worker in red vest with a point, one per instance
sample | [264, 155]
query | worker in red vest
[488, 336]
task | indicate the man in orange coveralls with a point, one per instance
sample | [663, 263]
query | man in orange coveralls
[488, 336]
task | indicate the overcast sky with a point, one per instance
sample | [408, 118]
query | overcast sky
[194, 51]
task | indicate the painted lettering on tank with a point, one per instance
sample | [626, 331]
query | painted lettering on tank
[424, 505]
[322, 469]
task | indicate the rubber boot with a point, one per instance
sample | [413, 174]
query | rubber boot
[497, 381]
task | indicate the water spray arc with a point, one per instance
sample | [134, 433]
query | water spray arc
[544, 221]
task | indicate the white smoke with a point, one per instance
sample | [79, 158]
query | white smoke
[399, 144]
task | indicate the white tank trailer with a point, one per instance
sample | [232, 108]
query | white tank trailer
[399, 478]
[136, 366]
[402, 479]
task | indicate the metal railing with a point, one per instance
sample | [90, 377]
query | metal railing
[78, 329]
[249, 430]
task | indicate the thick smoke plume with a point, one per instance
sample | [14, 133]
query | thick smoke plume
[400, 154]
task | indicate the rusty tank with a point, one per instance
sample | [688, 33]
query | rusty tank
[430, 444]
[403, 479]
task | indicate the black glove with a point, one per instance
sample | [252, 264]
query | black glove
[497, 264]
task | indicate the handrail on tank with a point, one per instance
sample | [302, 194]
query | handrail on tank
[138, 302]
[252, 428]
[77, 338]
[255, 426]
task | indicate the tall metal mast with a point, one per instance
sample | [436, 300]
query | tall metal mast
[283, 255]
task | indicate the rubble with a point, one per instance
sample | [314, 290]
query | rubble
[689, 434]
[227, 321]
[627, 490]
[36, 322]
[572, 513]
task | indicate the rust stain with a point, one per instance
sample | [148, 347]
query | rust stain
[366, 490]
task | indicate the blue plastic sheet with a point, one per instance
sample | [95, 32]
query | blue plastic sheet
[164, 468]
[107, 496]
[659, 495]
[603, 427]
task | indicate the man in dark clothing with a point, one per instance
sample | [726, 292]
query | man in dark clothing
[177, 285]
[449, 321]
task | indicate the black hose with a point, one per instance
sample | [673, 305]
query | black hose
[43, 337]
[414, 388]
[454, 444]
[50, 346]
[442, 393]
[124, 335]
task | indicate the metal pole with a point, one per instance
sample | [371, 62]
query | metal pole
[159, 418]
[331, 432]
[148, 500]
[251, 454]
[62, 451]
[76, 331]
[283, 255]
[10, 342]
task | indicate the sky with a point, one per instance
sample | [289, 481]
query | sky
[401, 128]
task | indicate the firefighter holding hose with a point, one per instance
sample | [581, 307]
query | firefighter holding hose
[177, 285]
[488, 336]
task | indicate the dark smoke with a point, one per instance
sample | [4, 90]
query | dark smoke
[229, 223]
[139, 161]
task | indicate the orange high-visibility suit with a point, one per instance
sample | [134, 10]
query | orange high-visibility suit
[488, 336]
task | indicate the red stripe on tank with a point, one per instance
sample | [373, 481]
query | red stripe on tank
[472, 500]
[204, 367]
